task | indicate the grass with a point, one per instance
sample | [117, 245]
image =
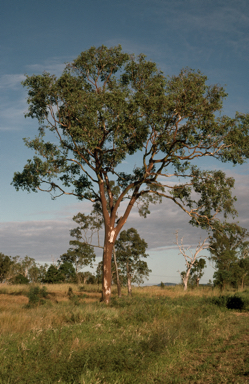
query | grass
[157, 336]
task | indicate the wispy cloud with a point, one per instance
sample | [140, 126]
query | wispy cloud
[38, 239]
[12, 114]
[11, 81]
[53, 65]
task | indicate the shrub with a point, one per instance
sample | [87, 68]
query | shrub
[74, 298]
[236, 301]
[19, 279]
[36, 296]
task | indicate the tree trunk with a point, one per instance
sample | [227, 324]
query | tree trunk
[107, 273]
[186, 277]
[117, 275]
[128, 280]
[129, 286]
[185, 283]
[197, 282]
[242, 280]
[223, 286]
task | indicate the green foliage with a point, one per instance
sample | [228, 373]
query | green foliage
[22, 271]
[197, 271]
[53, 275]
[139, 340]
[67, 272]
[5, 263]
[130, 248]
[108, 105]
[36, 296]
[19, 279]
[229, 251]
[82, 254]
[62, 273]
[237, 301]
[72, 297]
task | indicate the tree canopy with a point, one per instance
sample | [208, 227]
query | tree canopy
[130, 249]
[108, 105]
[230, 251]
[5, 263]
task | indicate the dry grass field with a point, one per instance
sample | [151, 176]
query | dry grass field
[157, 336]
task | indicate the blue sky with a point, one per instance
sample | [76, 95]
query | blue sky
[212, 36]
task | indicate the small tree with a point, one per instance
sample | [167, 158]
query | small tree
[130, 249]
[197, 271]
[19, 279]
[67, 272]
[190, 261]
[228, 249]
[86, 277]
[243, 273]
[19, 266]
[87, 233]
[53, 275]
[5, 264]
[108, 105]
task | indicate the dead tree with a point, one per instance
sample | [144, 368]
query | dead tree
[190, 260]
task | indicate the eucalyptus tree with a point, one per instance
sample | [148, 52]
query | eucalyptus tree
[81, 253]
[108, 105]
[229, 251]
[5, 264]
[197, 271]
[130, 249]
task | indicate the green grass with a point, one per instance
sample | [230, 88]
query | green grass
[152, 338]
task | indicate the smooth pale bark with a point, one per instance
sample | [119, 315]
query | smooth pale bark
[243, 279]
[111, 233]
[107, 273]
[117, 274]
[190, 260]
[129, 280]
[185, 279]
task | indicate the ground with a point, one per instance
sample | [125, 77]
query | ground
[157, 336]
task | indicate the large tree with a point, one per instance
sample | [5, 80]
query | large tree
[108, 105]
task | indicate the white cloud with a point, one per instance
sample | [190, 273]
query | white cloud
[53, 65]
[38, 239]
[11, 81]
[12, 114]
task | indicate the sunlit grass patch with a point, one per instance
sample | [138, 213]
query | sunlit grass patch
[147, 338]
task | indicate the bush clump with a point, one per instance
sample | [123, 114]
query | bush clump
[19, 279]
[74, 298]
[36, 296]
[232, 302]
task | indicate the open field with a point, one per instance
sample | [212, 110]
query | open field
[157, 336]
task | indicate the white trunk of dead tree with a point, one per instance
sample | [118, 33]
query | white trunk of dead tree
[190, 260]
